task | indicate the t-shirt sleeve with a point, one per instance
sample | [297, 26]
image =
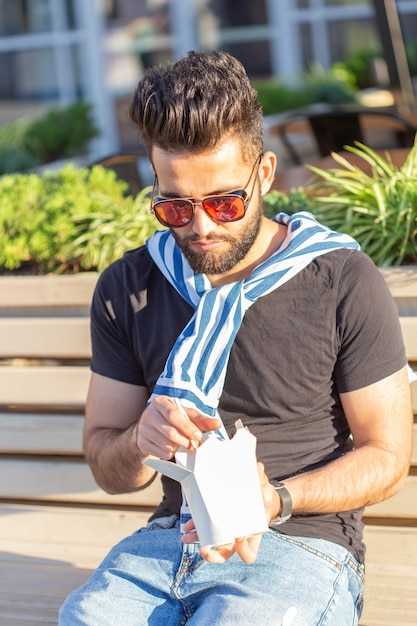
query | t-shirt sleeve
[371, 346]
[112, 350]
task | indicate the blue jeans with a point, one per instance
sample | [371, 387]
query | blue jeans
[152, 578]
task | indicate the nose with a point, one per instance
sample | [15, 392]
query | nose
[202, 224]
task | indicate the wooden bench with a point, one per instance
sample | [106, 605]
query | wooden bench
[56, 524]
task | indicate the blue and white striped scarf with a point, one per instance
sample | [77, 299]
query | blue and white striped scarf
[196, 366]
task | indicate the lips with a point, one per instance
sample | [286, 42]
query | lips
[206, 246]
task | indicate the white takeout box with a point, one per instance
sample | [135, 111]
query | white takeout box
[221, 484]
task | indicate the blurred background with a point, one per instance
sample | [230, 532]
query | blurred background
[56, 52]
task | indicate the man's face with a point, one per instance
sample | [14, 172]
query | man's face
[211, 247]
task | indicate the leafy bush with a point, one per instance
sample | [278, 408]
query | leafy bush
[276, 97]
[68, 220]
[112, 229]
[379, 210]
[14, 153]
[59, 134]
[334, 86]
[293, 202]
[358, 67]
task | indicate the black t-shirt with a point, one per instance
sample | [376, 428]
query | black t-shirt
[332, 328]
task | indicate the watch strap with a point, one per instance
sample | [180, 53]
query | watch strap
[286, 503]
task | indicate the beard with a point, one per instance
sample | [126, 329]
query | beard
[220, 263]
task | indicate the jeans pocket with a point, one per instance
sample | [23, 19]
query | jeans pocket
[165, 522]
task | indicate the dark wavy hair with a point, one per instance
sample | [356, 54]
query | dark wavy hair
[195, 103]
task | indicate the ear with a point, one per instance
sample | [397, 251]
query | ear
[267, 171]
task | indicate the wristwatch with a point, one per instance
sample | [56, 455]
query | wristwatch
[286, 503]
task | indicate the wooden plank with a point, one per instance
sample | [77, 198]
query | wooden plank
[70, 528]
[48, 385]
[402, 281]
[49, 337]
[409, 331]
[59, 434]
[414, 396]
[391, 576]
[403, 505]
[41, 434]
[30, 563]
[50, 290]
[64, 480]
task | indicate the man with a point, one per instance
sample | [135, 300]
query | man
[281, 323]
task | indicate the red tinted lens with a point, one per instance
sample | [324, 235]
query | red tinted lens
[225, 208]
[174, 213]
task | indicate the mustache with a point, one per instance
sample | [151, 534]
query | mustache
[209, 237]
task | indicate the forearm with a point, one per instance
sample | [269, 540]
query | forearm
[362, 477]
[116, 461]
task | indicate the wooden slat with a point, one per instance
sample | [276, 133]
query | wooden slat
[414, 396]
[48, 385]
[402, 281]
[25, 433]
[49, 337]
[58, 525]
[391, 576]
[402, 505]
[48, 552]
[51, 290]
[409, 331]
[58, 480]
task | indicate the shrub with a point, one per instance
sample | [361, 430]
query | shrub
[276, 97]
[293, 202]
[330, 86]
[335, 86]
[14, 153]
[59, 134]
[48, 223]
[379, 210]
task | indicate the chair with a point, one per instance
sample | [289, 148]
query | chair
[335, 128]
[127, 167]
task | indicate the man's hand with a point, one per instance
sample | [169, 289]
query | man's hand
[246, 547]
[164, 427]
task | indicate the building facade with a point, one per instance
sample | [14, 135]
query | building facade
[54, 51]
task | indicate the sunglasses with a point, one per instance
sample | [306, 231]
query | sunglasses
[178, 212]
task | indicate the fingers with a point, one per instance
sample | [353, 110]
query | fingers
[217, 554]
[166, 426]
[246, 547]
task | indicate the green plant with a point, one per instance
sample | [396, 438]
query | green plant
[293, 202]
[43, 220]
[335, 86]
[276, 97]
[411, 53]
[379, 210]
[331, 86]
[107, 233]
[357, 67]
[14, 153]
[59, 134]
[62, 133]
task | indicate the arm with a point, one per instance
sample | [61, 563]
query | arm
[112, 412]
[121, 431]
[380, 419]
